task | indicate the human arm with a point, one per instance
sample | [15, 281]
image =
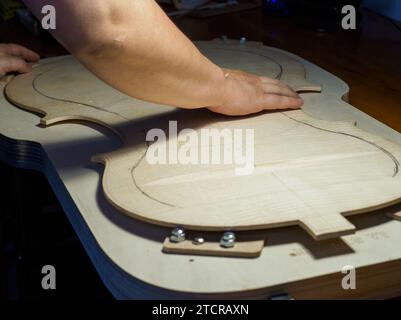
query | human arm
[133, 46]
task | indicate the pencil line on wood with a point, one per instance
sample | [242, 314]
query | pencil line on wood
[386, 152]
[71, 101]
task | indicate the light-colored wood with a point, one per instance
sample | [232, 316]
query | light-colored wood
[127, 253]
[396, 216]
[242, 249]
[308, 172]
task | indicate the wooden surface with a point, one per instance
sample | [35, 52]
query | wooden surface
[127, 253]
[341, 170]
[241, 249]
[368, 60]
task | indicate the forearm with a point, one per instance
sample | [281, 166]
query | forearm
[133, 46]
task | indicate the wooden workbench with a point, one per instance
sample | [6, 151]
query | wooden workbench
[368, 59]
[127, 254]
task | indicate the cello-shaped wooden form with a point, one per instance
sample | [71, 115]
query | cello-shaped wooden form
[307, 171]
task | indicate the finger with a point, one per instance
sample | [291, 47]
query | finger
[280, 90]
[20, 51]
[266, 80]
[279, 83]
[11, 64]
[275, 102]
[270, 80]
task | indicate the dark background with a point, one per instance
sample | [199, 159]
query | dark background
[34, 230]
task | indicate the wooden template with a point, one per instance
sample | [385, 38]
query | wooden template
[127, 253]
[307, 172]
[242, 249]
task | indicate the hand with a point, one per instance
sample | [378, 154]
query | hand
[246, 93]
[14, 57]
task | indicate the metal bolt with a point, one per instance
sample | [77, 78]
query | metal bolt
[177, 235]
[198, 241]
[228, 239]
[242, 40]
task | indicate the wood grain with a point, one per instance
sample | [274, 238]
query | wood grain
[127, 253]
[242, 249]
[308, 172]
[366, 59]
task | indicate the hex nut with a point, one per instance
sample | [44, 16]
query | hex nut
[228, 239]
[177, 235]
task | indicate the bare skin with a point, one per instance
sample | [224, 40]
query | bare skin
[15, 58]
[134, 47]
[256, 94]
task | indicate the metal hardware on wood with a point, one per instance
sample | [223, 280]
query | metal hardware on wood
[228, 239]
[177, 235]
[198, 241]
